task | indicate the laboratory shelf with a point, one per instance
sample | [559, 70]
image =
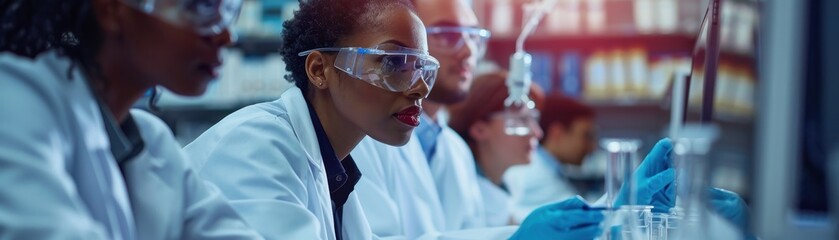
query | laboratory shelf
[502, 48]
[259, 44]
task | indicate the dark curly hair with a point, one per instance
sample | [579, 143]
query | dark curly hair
[322, 23]
[31, 27]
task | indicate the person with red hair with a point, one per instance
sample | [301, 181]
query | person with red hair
[569, 136]
[482, 121]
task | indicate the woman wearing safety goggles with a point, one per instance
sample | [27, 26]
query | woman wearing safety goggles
[386, 66]
[77, 162]
[285, 165]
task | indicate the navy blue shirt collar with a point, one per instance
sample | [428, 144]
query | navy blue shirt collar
[342, 176]
[338, 172]
[125, 140]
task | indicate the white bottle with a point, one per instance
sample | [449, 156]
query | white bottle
[668, 16]
[638, 72]
[644, 16]
[565, 18]
[596, 69]
[502, 18]
[596, 18]
[618, 74]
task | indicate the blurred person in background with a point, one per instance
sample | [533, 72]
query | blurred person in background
[480, 120]
[77, 161]
[569, 137]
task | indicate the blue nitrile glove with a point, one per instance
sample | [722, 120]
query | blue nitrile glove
[654, 180]
[730, 206]
[568, 219]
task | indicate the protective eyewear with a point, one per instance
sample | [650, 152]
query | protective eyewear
[396, 69]
[206, 17]
[453, 39]
[519, 121]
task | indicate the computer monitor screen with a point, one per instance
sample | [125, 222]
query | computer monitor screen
[704, 63]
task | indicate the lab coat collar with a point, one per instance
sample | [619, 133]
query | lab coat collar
[125, 139]
[545, 158]
[502, 186]
[336, 173]
[301, 124]
[341, 175]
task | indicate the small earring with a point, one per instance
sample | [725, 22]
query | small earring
[320, 84]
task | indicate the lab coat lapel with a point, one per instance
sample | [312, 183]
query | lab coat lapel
[411, 154]
[301, 124]
[415, 158]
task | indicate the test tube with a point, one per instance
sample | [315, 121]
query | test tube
[674, 221]
[636, 222]
[619, 167]
[658, 226]
[692, 178]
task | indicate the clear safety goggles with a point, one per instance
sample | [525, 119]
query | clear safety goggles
[453, 39]
[519, 121]
[396, 69]
[206, 17]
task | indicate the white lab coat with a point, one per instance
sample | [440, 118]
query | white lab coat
[408, 203]
[534, 185]
[404, 186]
[62, 181]
[266, 159]
[455, 176]
[168, 198]
[496, 200]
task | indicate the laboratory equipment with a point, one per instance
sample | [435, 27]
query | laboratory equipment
[520, 75]
[619, 168]
[692, 182]
[636, 222]
[658, 226]
[678, 104]
[674, 220]
[518, 84]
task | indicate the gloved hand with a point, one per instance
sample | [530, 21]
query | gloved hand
[654, 180]
[729, 205]
[564, 220]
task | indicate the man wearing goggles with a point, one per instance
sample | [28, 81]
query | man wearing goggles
[458, 47]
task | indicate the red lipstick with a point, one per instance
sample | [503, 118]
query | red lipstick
[409, 116]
